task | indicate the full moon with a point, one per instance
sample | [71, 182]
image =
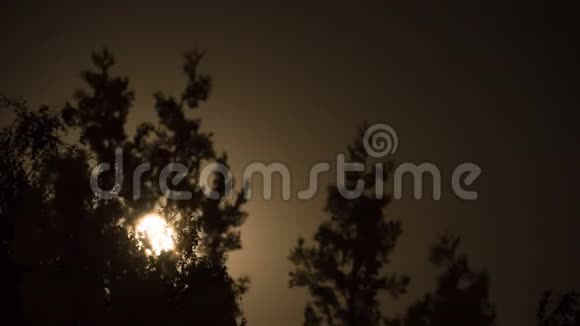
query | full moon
[159, 235]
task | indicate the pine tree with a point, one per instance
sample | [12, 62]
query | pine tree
[461, 296]
[344, 268]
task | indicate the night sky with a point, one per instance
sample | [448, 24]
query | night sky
[494, 85]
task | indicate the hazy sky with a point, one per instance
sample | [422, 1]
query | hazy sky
[491, 85]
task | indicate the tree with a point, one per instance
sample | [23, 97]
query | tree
[461, 296]
[566, 312]
[31, 139]
[177, 138]
[67, 245]
[343, 269]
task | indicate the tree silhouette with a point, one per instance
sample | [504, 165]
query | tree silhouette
[343, 269]
[566, 312]
[31, 139]
[73, 256]
[461, 296]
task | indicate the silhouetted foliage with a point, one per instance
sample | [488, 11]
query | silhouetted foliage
[565, 312]
[461, 296]
[73, 257]
[30, 141]
[344, 268]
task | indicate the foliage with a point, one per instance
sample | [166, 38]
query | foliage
[461, 296]
[344, 269]
[565, 312]
[73, 257]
